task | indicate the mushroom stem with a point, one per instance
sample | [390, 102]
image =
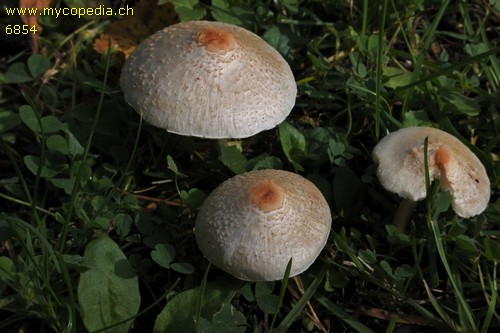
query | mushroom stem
[405, 209]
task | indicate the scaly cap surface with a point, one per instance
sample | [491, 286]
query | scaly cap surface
[252, 224]
[209, 79]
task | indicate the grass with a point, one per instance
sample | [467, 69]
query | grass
[97, 207]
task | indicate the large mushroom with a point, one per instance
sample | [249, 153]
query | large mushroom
[254, 223]
[400, 159]
[210, 80]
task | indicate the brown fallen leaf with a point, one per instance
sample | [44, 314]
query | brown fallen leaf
[32, 20]
[129, 31]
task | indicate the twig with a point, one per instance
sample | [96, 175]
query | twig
[399, 318]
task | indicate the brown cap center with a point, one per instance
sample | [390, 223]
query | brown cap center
[267, 197]
[442, 158]
[216, 39]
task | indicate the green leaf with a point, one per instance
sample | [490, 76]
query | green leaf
[163, 254]
[247, 293]
[183, 267]
[458, 227]
[396, 237]
[318, 139]
[74, 146]
[172, 166]
[492, 249]
[49, 124]
[278, 38]
[293, 143]
[292, 5]
[404, 271]
[263, 288]
[264, 161]
[387, 268]
[38, 65]
[232, 158]
[29, 118]
[237, 13]
[7, 269]
[441, 202]
[266, 300]
[368, 256]
[179, 313]
[17, 73]
[416, 118]
[51, 168]
[454, 102]
[100, 222]
[58, 143]
[396, 77]
[144, 224]
[268, 303]
[8, 120]
[75, 261]
[108, 293]
[336, 152]
[64, 183]
[467, 244]
[229, 320]
[123, 223]
[188, 10]
[194, 198]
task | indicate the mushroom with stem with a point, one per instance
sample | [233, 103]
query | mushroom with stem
[401, 169]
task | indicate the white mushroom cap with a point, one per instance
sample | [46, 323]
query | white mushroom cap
[400, 159]
[209, 79]
[252, 224]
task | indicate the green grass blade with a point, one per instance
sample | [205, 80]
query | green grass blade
[342, 315]
[493, 71]
[464, 308]
[492, 302]
[391, 326]
[364, 23]
[76, 187]
[435, 321]
[449, 69]
[378, 78]
[199, 301]
[439, 309]
[29, 252]
[124, 174]
[302, 302]
[71, 303]
[284, 284]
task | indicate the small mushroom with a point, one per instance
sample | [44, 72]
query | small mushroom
[254, 223]
[210, 80]
[401, 169]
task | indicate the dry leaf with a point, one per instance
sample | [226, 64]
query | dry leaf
[126, 33]
[32, 20]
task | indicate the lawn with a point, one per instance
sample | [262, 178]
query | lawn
[98, 207]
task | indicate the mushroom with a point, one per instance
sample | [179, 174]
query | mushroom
[401, 169]
[210, 80]
[254, 223]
